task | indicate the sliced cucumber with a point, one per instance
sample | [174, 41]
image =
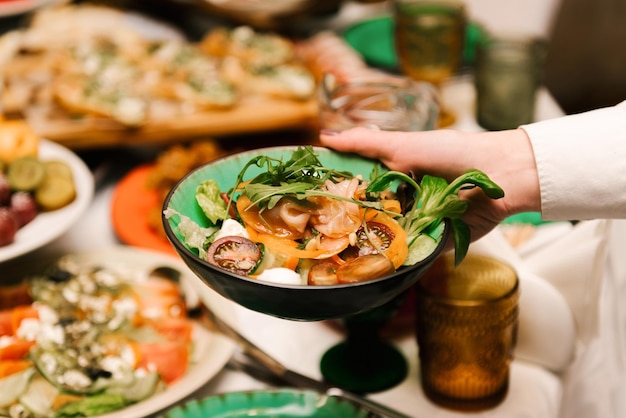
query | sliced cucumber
[39, 396]
[12, 386]
[55, 192]
[25, 174]
[143, 386]
[422, 247]
[56, 168]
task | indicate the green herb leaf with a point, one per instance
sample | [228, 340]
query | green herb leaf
[301, 173]
[94, 405]
[268, 196]
[210, 201]
[435, 201]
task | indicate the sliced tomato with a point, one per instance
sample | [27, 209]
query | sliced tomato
[9, 367]
[234, 253]
[373, 238]
[398, 248]
[169, 358]
[364, 268]
[159, 298]
[174, 329]
[19, 313]
[6, 325]
[16, 350]
[323, 273]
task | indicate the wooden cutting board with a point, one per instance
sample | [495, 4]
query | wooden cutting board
[262, 115]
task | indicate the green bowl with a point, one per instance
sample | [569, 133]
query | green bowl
[295, 302]
[274, 403]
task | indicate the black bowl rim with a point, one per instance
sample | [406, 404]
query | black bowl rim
[179, 246]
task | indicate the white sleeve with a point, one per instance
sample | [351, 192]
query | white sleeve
[581, 161]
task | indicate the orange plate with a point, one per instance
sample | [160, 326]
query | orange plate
[131, 203]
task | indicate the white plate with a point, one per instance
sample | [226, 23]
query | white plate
[50, 225]
[16, 7]
[212, 351]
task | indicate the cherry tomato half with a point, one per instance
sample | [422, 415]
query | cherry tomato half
[376, 239]
[234, 253]
[323, 273]
[366, 267]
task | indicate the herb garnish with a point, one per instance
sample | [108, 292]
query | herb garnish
[435, 200]
[299, 177]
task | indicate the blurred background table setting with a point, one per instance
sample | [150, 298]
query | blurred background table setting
[131, 96]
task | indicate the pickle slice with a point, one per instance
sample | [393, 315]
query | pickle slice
[55, 192]
[25, 174]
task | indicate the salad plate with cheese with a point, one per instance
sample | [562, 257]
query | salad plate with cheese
[107, 334]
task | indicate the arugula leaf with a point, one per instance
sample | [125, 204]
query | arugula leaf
[296, 177]
[270, 195]
[436, 200]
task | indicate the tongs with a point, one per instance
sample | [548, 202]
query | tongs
[285, 375]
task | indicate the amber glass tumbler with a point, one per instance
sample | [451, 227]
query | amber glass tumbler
[466, 331]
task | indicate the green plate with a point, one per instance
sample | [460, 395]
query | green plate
[532, 218]
[278, 403]
[373, 39]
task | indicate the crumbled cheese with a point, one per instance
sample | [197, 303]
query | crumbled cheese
[6, 340]
[29, 329]
[116, 365]
[75, 378]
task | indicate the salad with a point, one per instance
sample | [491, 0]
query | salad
[298, 222]
[94, 340]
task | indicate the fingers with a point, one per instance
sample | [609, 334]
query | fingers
[385, 146]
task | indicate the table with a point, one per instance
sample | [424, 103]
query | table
[300, 345]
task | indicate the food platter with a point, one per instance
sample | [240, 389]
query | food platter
[48, 226]
[212, 87]
[130, 206]
[211, 350]
[254, 116]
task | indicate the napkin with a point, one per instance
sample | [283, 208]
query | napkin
[595, 384]
[547, 331]
[574, 263]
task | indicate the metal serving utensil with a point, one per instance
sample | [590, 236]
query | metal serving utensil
[208, 318]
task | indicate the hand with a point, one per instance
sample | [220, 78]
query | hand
[505, 156]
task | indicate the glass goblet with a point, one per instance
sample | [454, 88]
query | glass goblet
[364, 362]
[429, 38]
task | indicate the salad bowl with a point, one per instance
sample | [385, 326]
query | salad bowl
[288, 301]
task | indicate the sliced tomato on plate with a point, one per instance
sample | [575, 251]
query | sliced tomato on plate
[16, 350]
[6, 325]
[10, 367]
[174, 329]
[169, 358]
[10, 319]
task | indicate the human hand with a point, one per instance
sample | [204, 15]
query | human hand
[505, 156]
